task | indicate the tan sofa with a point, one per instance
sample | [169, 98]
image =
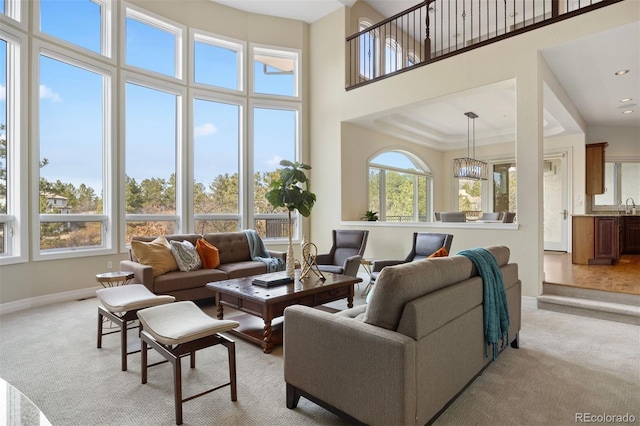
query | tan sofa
[427, 346]
[235, 262]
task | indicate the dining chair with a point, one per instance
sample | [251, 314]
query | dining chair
[490, 216]
[453, 217]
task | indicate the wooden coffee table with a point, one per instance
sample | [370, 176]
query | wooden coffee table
[264, 306]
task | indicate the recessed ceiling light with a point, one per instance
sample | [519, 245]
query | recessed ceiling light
[621, 72]
[626, 99]
[629, 111]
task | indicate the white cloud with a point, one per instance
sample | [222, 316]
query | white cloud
[3, 93]
[275, 161]
[47, 93]
[205, 129]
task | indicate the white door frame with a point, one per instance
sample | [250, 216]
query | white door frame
[562, 243]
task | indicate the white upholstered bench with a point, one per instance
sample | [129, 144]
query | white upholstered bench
[179, 329]
[120, 305]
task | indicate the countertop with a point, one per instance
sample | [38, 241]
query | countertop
[606, 214]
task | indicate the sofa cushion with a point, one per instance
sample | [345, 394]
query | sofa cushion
[176, 281]
[209, 254]
[397, 285]
[243, 269]
[156, 253]
[233, 246]
[186, 256]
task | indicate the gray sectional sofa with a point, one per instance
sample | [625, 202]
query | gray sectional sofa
[235, 262]
[403, 357]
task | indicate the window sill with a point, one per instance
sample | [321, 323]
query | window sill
[433, 225]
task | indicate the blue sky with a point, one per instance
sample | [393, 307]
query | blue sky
[71, 116]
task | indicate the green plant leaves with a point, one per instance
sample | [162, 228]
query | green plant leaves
[292, 190]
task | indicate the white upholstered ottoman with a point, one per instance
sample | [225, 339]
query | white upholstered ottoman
[180, 329]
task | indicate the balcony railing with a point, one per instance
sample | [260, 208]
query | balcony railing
[437, 29]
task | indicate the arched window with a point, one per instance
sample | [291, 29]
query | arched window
[400, 187]
[368, 47]
[412, 58]
[392, 56]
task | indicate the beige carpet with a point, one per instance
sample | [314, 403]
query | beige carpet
[565, 365]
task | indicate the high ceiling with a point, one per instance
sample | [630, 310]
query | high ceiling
[585, 68]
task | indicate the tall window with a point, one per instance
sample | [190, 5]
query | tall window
[152, 141]
[275, 136]
[474, 197]
[392, 56]
[216, 175]
[368, 51]
[400, 187]
[470, 197]
[622, 185]
[504, 187]
[73, 132]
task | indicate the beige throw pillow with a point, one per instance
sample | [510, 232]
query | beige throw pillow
[156, 254]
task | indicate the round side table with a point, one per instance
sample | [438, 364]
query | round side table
[113, 279]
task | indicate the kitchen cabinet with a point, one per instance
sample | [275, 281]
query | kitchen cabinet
[582, 239]
[596, 240]
[632, 235]
[595, 168]
[606, 247]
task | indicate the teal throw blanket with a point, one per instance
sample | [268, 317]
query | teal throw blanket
[258, 252]
[496, 310]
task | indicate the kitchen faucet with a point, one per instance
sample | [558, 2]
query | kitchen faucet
[626, 205]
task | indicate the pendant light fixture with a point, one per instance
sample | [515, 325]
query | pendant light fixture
[468, 167]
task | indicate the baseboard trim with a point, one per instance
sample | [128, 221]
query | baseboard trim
[34, 302]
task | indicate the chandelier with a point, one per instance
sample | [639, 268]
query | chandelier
[467, 167]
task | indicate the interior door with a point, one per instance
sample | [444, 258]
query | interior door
[556, 216]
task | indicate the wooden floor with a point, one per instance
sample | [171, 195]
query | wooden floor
[623, 277]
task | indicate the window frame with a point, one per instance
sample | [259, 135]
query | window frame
[16, 14]
[15, 222]
[249, 214]
[617, 187]
[288, 53]
[161, 23]
[109, 236]
[107, 32]
[376, 66]
[423, 170]
[397, 52]
[241, 102]
[180, 91]
[239, 46]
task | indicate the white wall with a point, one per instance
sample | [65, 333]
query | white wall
[335, 160]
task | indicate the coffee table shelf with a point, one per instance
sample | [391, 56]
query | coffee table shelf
[265, 306]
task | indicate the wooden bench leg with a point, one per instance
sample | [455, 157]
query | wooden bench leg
[177, 384]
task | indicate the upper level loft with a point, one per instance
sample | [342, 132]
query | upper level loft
[437, 29]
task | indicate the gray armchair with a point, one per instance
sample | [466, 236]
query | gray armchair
[345, 254]
[424, 245]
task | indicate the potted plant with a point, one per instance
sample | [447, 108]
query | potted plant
[370, 215]
[291, 191]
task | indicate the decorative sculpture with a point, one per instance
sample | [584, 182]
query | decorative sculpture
[309, 253]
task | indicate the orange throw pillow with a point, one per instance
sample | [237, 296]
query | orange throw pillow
[208, 254]
[441, 252]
